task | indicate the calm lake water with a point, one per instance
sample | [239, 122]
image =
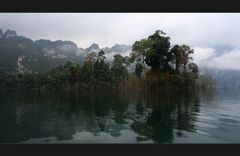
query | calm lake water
[120, 117]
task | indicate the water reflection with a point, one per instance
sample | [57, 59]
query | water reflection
[100, 116]
[169, 112]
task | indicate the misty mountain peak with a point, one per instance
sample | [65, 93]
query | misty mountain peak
[94, 45]
[40, 55]
[93, 48]
[106, 49]
[120, 47]
[10, 33]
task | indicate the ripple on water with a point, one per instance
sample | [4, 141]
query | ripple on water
[229, 121]
[203, 132]
[206, 125]
[206, 117]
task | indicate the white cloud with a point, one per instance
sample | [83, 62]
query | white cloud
[210, 58]
[110, 56]
[106, 29]
[206, 32]
[203, 55]
[226, 61]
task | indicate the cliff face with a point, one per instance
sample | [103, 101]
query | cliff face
[21, 54]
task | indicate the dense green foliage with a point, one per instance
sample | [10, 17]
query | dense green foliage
[138, 69]
[156, 52]
[157, 64]
[95, 72]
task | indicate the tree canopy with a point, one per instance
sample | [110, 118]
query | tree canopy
[163, 64]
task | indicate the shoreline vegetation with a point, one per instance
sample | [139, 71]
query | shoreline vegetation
[157, 66]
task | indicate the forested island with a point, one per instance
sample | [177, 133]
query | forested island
[117, 78]
[157, 65]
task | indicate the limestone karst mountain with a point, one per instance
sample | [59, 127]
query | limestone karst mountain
[22, 54]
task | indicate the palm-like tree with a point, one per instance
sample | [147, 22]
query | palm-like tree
[180, 55]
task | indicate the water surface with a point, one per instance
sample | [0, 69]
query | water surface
[120, 117]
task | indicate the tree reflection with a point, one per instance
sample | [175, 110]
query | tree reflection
[170, 111]
[152, 115]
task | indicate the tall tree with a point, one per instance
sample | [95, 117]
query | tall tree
[194, 69]
[119, 68]
[101, 69]
[153, 51]
[101, 55]
[185, 52]
[138, 69]
[91, 57]
[174, 56]
[180, 55]
[90, 60]
[78, 73]
[87, 72]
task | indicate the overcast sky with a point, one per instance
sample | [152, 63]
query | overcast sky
[208, 33]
